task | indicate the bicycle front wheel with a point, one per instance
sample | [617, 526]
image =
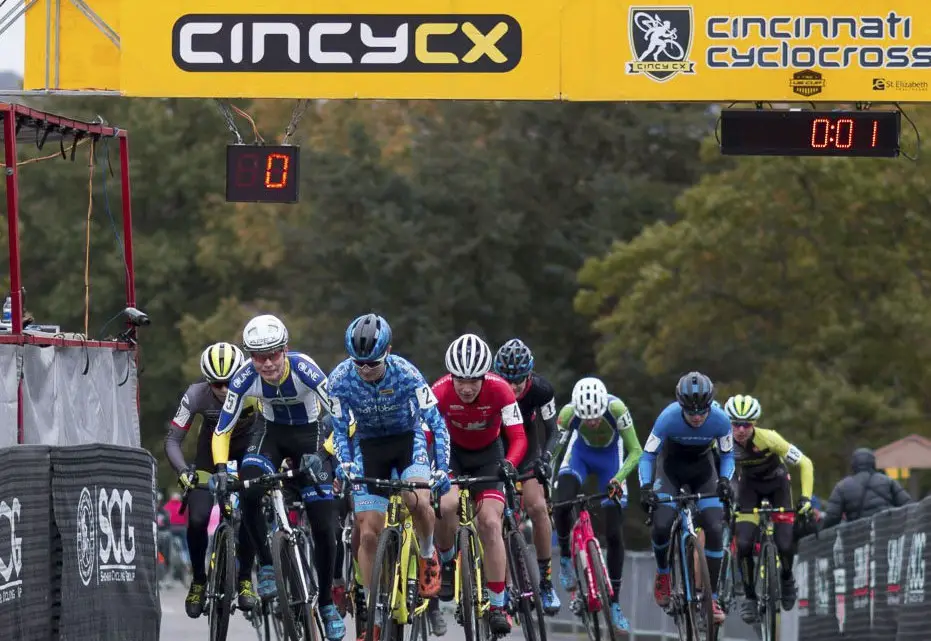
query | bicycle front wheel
[222, 583]
[701, 605]
[529, 606]
[295, 588]
[768, 591]
[380, 616]
[601, 587]
[469, 589]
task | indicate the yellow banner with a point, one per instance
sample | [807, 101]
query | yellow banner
[480, 49]
[724, 50]
[65, 50]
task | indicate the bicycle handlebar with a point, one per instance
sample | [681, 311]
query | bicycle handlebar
[585, 498]
[264, 481]
[397, 485]
[682, 498]
[767, 510]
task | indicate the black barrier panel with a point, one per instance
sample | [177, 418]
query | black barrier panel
[915, 600]
[103, 498]
[890, 571]
[25, 522]
[853, 608]
[818, 621]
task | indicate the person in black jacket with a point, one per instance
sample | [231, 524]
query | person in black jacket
[864, 493]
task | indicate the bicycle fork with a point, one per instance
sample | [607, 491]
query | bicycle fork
[582, 534]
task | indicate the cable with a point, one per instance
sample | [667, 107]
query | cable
[296, 115]
[255, 130]
[917, 134]
[87, 246]
[41, 158]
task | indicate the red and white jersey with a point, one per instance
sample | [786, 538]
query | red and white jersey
[476, 425]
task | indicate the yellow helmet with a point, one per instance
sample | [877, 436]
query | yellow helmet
[220, 361]
[743, 407]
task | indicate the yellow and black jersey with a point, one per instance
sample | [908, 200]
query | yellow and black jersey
[765, 453]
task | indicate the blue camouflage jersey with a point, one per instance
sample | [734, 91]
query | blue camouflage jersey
[294, 400]
[394, 405]
[685, 444]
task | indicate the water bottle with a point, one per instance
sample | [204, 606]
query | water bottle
[232, 472]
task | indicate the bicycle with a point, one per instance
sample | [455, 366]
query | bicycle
[594, 593]
[729, 579]
[766, 579]
[354, 601]
[292, 555]
[523, 587]
[394, 600]
[265, 618]
[221, 569]
[690, 606]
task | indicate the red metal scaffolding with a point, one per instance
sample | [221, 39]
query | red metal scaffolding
[24, 124]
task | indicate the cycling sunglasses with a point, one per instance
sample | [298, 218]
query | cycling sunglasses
[704, 412]
[743, 425]
[368, 364]
[468, 378]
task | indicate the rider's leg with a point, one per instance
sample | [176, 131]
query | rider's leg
[711, 518]
[263, 458]
[535, 505]
[567, 487]
[445, 529]
[490, 511]
[614, 534]
[321, 512]
[370, 520]
[416, 469]
[199, 506]
[746, 529]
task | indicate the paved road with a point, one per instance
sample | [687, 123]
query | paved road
[176, 626]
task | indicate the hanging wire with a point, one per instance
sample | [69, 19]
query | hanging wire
[255, 130]
[29, 161]
[296, 115]
[224, 110]
[87, 246]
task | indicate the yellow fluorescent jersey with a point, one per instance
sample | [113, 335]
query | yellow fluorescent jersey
[220, 443]
[765, 452]
[328, 444]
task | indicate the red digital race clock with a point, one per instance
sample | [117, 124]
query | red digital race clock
[747, 132]
[262, 173]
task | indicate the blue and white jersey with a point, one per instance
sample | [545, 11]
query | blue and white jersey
[396, 404]
[294, 400]
[686, 444]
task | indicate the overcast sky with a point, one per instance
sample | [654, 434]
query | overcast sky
[13, 47]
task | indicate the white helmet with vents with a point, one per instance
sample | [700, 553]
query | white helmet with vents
[589, 398]
[468, 357]
[743, 407]
[265, 333]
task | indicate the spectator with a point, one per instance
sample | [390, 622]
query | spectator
[864, 493]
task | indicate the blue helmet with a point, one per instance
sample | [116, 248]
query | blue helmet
[368, 338]
[514, 360]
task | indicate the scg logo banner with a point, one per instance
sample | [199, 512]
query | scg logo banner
[346, 43]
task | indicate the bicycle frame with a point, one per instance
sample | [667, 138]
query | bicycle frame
[582, 534]
[467, 520]
[403, 608]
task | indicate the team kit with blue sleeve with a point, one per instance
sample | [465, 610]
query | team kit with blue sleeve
[677, 454]
[290, 409]
[388, 436]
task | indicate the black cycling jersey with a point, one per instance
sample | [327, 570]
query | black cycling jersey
[538, 395]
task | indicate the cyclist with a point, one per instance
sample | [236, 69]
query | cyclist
[387, 396]
[601, 429]
[218, 363]
[514, 363]
[761, 457]
[683, 434]
[291, 388]
[478, 406]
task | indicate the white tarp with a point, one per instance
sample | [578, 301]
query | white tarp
[63, 405]
[8, 400]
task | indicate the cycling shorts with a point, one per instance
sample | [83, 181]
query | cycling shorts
[582, 459]
[404, 454]
[483, 462]
[273, 442]
[701, 477]
[777, 490]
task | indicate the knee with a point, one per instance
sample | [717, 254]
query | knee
[368, 535]
[745, 535]
[448, 505]
[537, 511]
[662, 524]
[198, 521]
[489, 524]
[714, 535]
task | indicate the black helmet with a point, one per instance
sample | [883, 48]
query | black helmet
[695, 392]
[514, 360]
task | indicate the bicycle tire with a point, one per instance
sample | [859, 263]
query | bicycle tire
[469, 602]
[601, 585]
[701, 614]
[678, 607]
[768, 591]
[581, 592]
[726, 595]
[222, 583]
[527, 594]
[387, 556]
[296, 613]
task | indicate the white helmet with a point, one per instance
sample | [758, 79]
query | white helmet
[264, 333]
[589, 398]
[220, 361]
[468, 357]
[743, 408]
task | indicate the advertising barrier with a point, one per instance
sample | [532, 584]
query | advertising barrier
[865, 580]
[77, 543]
[667, 51]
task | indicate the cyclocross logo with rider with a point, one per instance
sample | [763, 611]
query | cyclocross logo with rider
[660, 40]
